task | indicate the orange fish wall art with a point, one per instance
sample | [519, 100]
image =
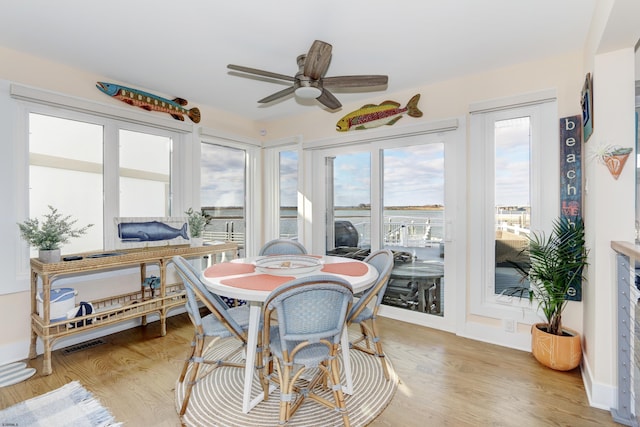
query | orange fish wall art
[372, 116]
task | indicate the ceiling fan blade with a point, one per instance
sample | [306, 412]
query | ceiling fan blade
[260, 72]
[317, 60]
[327, 99]
[278, 95]
[355, 81]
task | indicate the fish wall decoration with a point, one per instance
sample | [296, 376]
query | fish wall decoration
[372, 116]
[150, 231]
[150, 102]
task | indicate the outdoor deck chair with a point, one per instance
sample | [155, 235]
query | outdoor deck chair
[311, 313]
[283, 247]
[222, 322]
[365, 311]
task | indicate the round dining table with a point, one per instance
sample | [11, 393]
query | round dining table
[243, 279]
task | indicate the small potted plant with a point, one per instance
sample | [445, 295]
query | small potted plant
[197, 222]
[556, 263]
[54, 231]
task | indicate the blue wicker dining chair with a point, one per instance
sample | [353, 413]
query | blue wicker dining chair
[283, 247]
[222, 322]
[311, 313]
[365, 311]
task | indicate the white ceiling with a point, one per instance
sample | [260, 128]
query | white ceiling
[181, 48]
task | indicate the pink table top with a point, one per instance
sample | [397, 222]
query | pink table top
[239, 278]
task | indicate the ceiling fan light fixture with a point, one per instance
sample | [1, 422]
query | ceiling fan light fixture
[310, 83]
[308, 92]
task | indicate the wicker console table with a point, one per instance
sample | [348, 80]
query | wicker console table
[116, 308]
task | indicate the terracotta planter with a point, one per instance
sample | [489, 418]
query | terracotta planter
[562, 353]
[615, 163]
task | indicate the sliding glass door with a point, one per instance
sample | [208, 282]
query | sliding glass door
[392, 194]
[413, 225]
[223, 193]
[349, 203]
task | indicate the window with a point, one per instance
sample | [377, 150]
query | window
[413, 225]
[514, 156]
[512, 141]
[145, 169]
[95, 169]
[349, 201]
[223, 192]
[288, 194]
[65, 171]
[377, 186]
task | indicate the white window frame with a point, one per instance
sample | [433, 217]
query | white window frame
[452, 132]
[271, 186]
[253, 168]
[32, 100]
[544, 195]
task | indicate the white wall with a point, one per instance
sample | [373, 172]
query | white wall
[609, 203]
[609, 215]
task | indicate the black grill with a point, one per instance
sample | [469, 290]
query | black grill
[346, 234]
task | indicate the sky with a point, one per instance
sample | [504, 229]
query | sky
[222, 176]
[413, 175]
[512, 162]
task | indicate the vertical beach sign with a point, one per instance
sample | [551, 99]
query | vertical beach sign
[571, 180]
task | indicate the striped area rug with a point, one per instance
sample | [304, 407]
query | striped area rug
[217, 399]
[70, 405]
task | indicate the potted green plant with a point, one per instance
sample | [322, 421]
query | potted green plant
[197, 223]
[556, 263]
[50, 234]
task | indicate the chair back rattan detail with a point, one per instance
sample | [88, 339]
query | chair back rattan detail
[221, 322]
[216, 305]
[311, 315]
[365, 311]
[382, 260]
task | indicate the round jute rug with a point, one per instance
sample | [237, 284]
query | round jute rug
[216, 400]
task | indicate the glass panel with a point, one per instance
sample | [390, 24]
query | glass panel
[69, 154]
[145, 174]
[288, 194]
[413, 226]
[350, 207]
[222, 193]
[637, 237]
[512, 197]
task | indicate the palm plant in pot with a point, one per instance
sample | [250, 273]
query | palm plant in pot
[49, 235]
[556, 264]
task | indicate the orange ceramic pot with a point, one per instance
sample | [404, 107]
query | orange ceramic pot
[559, 352]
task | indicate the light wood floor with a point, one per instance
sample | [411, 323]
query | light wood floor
[444, 380]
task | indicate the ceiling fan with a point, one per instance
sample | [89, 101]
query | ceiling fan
[309, 82]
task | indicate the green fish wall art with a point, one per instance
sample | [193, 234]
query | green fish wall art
[150, 102]
[372, 116]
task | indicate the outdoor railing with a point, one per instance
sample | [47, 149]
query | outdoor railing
[515, 229]
[397, 231]
[224, 236]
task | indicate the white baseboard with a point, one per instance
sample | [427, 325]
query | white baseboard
[601, 396]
